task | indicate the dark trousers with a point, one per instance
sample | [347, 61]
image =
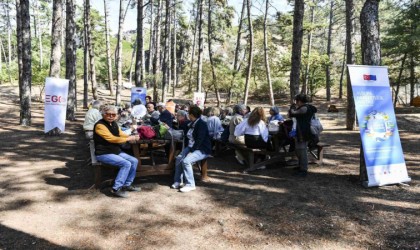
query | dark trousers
[256, 141]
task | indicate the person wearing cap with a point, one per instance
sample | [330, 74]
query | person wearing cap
[165, 116]
[108, 137]
[275, 114]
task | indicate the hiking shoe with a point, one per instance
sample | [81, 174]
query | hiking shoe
[119, 193]
[132, 188]
[300, 173]
[239, 161]
[187, 189]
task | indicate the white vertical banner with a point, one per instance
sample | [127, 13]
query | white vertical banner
[56, 91]
[199, 99]
[381, 142]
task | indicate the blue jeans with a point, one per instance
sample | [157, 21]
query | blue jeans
[183, 165]
[127, 165]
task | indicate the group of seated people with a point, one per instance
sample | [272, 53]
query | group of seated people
[109, 127]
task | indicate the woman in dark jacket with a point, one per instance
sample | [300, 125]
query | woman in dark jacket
[198, 148]
[303, 113]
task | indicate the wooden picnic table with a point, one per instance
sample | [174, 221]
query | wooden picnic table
[153, 160]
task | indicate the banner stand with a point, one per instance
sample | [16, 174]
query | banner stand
[381, 157]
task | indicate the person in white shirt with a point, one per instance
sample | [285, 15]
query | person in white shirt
[92, 116]
[254, 130]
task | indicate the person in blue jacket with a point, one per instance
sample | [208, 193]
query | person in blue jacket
[198, 148]
[275, 114]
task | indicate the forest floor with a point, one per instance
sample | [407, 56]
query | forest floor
[46, 199]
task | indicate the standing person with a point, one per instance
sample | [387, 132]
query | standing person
[303, 113]
[240, 111]
[255, 131]
[92, 116]
[108, 137]
[199, 147]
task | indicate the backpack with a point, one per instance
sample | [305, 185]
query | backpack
[160, 131]
[316, 126]
[146, 132]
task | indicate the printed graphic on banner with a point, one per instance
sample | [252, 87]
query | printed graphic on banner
[138, 93]
[199, 99]
[56, 91]
[383, 154]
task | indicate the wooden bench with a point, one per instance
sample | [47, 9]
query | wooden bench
[271, 156]
[99, 166]
[318, 152]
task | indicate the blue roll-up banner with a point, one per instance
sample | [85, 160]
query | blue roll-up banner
[138, 93]
[381, 142]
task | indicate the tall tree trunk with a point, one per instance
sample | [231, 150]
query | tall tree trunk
[250, 52]
[210, 38]
[174, 51]
[57, 19]
[133, 55]
[351, 110]
[119, 52]
[166, 51]
[340, 90]
[19, 45]
[156, 58]
[139, 75]
[412, 79]
[9, 32]
[151, 39]
[327, 69]
[38, 32]
[25, 81]
[193, 50]
[369, 25]
[308, 64]
[296, 47]
[399, 79]
[71, 58]
[108, 50]
[267, 62]
[200, 45]
[92, 70]
[169, 47]
[237, 49]
[85, 62]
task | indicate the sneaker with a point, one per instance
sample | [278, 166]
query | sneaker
[132, 188]
[239, 161]
[119, 193]
[187, 189]
[176, 185]
[301, 173]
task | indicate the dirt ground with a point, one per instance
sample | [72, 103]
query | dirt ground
[47, 201]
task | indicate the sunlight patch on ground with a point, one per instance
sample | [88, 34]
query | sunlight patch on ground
[401, 204]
